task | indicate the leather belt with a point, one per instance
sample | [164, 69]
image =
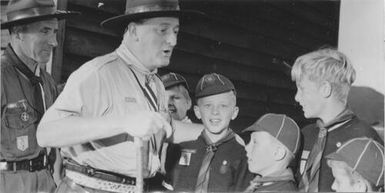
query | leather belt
[32, 165]
[100, 174]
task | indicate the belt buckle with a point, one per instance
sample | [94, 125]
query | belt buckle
[3, 166]
[90, 171]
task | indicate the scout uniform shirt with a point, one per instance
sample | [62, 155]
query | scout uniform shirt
[20, 117]
[344, 127]
[228, 168]
[108, 86]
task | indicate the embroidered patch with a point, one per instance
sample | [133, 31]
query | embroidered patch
[130, 99]
[24, 116]
[185, 157]
[304, 157]
[22, 142]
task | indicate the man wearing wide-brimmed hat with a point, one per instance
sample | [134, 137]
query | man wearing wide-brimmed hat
[26, 92]
[112, 99]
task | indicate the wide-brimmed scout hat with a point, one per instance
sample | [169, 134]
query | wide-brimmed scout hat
[21, 12]
[280, 126]
[142, 9]
[363, 155]
[173, 79]
[212, 84]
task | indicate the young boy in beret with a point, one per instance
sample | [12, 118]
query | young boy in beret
[216, 161]
[323, 80]
[272, 143]
[358, 166]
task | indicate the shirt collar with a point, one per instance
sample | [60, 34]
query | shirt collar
[17, 62]
[344, 116]
[130, 59]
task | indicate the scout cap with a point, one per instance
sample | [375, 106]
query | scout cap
[20, 12]
[142, 9]
[212, 84]
[363, 155]
[280, 126]
[173, 79]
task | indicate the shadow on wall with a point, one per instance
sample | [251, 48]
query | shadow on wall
[368, 104]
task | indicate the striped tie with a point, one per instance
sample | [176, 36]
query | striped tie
[310, 177]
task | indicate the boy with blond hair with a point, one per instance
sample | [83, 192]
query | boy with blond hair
[216, 161]
[323, 80]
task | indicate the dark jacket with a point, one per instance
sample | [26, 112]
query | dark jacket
[229, 169]
[19, 114]
[352, 128]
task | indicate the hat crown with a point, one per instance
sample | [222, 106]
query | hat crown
[173, 79]
[20, 12]
[16, 5]
[143, 6]
[363, 155]
[211, 84]
[281, 127]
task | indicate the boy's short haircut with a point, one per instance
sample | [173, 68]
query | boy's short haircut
[284, 129]
[365, 156]
[326, 65]
[212, 84]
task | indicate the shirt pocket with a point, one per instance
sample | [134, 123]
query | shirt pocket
[18, 133]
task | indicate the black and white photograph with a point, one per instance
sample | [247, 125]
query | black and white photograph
[201, 96]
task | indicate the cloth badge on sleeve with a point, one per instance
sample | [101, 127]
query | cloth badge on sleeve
[185, 157]
[22, 142]
[304, 157]
[130, 99]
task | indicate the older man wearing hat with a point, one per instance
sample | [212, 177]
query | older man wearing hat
[115, 98]
[26, 92]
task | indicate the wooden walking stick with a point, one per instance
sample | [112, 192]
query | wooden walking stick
[139, 164]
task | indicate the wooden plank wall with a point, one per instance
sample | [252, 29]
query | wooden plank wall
[247, 41]
[4, 33]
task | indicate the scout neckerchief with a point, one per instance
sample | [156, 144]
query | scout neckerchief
[259, 180]
[36, 81]
[211, 148]
[310, 177]
[126, 55]
[131, 59]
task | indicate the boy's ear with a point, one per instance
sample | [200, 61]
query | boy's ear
[189, 104]
[235, 113]
[326, 89]
[279, 153]
[197, 112]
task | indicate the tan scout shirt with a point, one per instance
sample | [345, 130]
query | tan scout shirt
[105, 86]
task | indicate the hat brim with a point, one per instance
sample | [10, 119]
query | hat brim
[121, 21]
[336, 157]
[59, 15]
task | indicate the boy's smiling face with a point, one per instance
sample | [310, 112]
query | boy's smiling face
[216, 111]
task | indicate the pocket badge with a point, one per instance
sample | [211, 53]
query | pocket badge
[24, 116]
[22, 142]
[225, 167]
[185, 158]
